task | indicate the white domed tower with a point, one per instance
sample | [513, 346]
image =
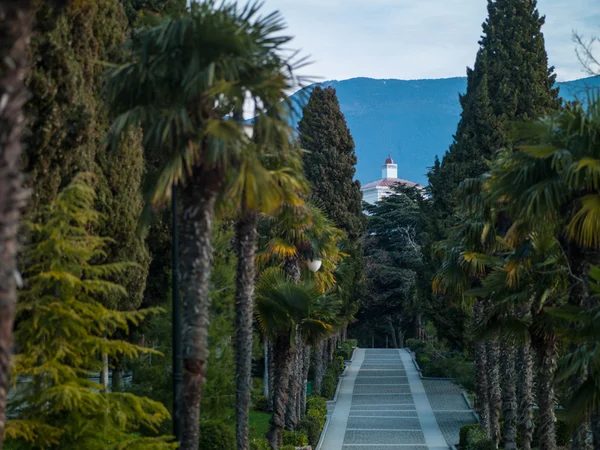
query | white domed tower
[377, 190]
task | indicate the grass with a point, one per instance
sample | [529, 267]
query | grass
[258, 423]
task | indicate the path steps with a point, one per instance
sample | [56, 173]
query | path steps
[382, 405]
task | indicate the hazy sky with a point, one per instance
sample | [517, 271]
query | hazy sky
[410, 39]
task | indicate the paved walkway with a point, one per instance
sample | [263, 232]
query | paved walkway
[382, 405]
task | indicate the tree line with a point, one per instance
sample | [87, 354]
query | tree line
[116, 107]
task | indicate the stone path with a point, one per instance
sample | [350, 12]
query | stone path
[382, 405]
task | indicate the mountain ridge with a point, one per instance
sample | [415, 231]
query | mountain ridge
[410, 120]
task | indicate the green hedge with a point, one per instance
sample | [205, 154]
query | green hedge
[296, 438]
[318, 403]
[216, 435]
[287, 447]
[260, 403]
[259, 444]
[464, 431]
[478, 440]
[311, 425]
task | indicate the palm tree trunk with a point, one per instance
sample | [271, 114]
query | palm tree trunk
[509, 396]
[271, 377]
[293, 386]
[318, 381]
[305, 369]
[547, 353]
[246, 243]
[291, 267]
[283, 355]
[580, 435]
[104, 372]
[482, 404]
[16, 23]
[525, 396]
[494, 391]
[266, 378]
[198, 199]
[595, 426]
[117, 375]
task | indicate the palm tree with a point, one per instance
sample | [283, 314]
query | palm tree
[555, 180]
[184, 78]
[16, 25]
[269, 175]
[285, 307]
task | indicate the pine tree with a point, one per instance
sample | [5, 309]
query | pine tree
[330, 160]
[61, 330]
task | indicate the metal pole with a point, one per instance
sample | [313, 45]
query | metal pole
[176, 323]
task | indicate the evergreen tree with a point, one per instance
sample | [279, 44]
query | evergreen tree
[62, 327]
[330, 160]
[511, 81]
[69, 123]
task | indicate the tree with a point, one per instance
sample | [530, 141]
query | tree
[330, 160]
[179, 87]
[16, 25]
[286, 307]
[61, 329]
[266, 179]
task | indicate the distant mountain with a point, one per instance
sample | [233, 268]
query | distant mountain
[412, 121]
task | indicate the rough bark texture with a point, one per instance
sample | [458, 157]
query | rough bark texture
[104, 372]
[318, 381]
[16, 22]
[271, 377]
[494, 393]
[481, 376]
[525, 396]
[293, 386]
[283, 356]
[580, 434]
[291, 267]
[547, 353]
[509, 396]
[266, 377]
[196, 259]
[595, 425]
[246, 243]
[305, 368]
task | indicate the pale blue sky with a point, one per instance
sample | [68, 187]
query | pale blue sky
[410, 39]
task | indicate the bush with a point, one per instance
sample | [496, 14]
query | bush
[318, 415]
[317, 403]
[345, 351]
[464, 432]
[260, 403]
[329, 385]
[478, 440]
[339, 364]
[351, 342]
[259, 444]
[287, 447]
[216, 435]
[295, 438]
[311, 425]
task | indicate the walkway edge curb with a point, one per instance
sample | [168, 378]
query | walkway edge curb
[337, 390]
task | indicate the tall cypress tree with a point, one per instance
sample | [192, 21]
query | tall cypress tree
[69, 122]
[511, 81]
[331, 160]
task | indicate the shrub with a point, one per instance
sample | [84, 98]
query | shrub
[295, 438]
[464, 432]
[317, 403]
[260, 403]
[329, 385]
[287, 447]
[318, 415]
[259, 444]
[478, 440]
[339, 365]
[216, 435]
[351, 342]
[311, 425]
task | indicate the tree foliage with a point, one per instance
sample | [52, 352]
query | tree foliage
[62, 328]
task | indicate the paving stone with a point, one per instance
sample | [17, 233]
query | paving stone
[380, 373]
[379, 365]
[395, 407]
[384, 447]
[381, 399]
[381, 380]
[388, 423]
[381, 388]
[384, 413]
[383, 437]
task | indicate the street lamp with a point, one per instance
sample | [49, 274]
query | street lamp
[314, 264]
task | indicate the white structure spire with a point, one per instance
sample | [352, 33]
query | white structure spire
[389, 169]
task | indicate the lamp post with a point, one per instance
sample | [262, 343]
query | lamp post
[314, 264]
[176, 323]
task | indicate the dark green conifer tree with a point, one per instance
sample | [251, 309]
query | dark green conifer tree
[330, 161]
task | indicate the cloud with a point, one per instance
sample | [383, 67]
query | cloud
[410, 39]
